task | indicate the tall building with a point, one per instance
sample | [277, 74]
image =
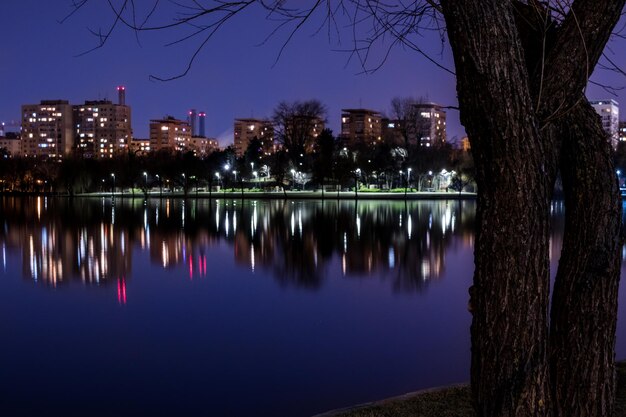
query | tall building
[247, 129]
[102, 127]
[609, 112]
[170, 134]
[47, 129]
[202, 146]
[423, 125]
[430, 124]
[303, 130]
[361, 125]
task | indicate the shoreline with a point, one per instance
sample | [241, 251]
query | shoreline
[449, 401]
[267, 195]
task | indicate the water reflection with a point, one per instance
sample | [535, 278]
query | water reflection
[94, 241]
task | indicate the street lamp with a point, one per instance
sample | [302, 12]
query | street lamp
[113, 189]
[145, 176]
[408, 177]
[255, 174]
[160, 186]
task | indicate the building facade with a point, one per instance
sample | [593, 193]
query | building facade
[47, 129]
[170, 134]
[202, 146]
[247, 129]
[102, 128]
[361, 125]
[609, 113]
[11, 143]
[140, 146]
[430, 124]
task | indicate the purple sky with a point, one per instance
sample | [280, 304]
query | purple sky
[232, 77]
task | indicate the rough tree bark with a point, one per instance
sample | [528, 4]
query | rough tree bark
[509, 298]
[584, 304]
[523, 112]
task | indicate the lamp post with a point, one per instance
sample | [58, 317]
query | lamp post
[255, 174]
[145, 177]
[408, 175]
[357, 173]
[160, 186]
[113, 189]
[226, 169]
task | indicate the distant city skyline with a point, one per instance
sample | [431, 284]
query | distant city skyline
[233, 76]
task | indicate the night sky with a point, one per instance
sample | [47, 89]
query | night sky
[232, 77]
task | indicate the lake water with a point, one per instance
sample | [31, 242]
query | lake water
[231, 308]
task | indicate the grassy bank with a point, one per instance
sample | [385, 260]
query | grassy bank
[447, 402]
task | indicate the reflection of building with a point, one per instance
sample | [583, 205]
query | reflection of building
[296, 242]
[102, 127]
[247, 129]
[609, 112]
[47, 129]
[361, 125]
[170, 134]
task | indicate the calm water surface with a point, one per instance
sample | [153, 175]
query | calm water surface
[230, 308]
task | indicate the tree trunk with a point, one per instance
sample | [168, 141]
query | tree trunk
[584, 304]
[509, 298]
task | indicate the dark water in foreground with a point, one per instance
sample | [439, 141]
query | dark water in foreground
[230, 308]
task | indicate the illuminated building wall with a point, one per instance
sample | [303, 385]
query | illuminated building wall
[140, 146]
[431, 124]
[170, 134]
[47, 129]
[12, 143]
[609, 112]
[361, 125]
[102, 128]
[202, 146]
[247, 129]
